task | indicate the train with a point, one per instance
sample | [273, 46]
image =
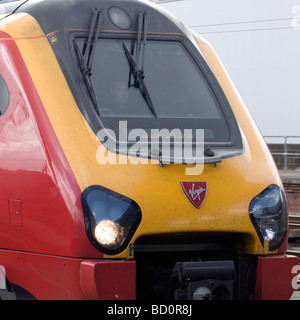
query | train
[130, 167]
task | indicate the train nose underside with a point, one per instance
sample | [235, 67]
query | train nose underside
[180, 274]
[220, 274]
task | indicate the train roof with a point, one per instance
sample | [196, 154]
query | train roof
[76, 14]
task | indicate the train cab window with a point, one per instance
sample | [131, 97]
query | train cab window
[163, 86]
[4, 96]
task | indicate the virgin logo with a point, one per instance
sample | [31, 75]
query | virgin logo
[195, 191]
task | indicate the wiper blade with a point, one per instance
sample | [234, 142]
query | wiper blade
[139, 80]
[86, 78]
[85, 57]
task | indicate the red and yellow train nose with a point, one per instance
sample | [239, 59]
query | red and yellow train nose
[102, 185]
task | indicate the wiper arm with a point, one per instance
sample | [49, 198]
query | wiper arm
[139, 80]
[89, 50]
[86, 57]
[138, 74]
[86, 78]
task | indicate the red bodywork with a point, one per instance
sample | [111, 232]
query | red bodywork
[34, 173]
[274, 277]
[41, 220]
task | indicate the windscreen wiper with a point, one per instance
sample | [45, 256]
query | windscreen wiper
[139, 81]
[85, 57]
[138, 73]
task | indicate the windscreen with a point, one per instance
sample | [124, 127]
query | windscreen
[180, 95]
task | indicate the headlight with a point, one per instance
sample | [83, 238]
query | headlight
[110, 218]
[269, 216]
[107, 232]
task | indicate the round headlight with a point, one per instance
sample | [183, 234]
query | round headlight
[107, 232]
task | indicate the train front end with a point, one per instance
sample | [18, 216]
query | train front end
[149, 178]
